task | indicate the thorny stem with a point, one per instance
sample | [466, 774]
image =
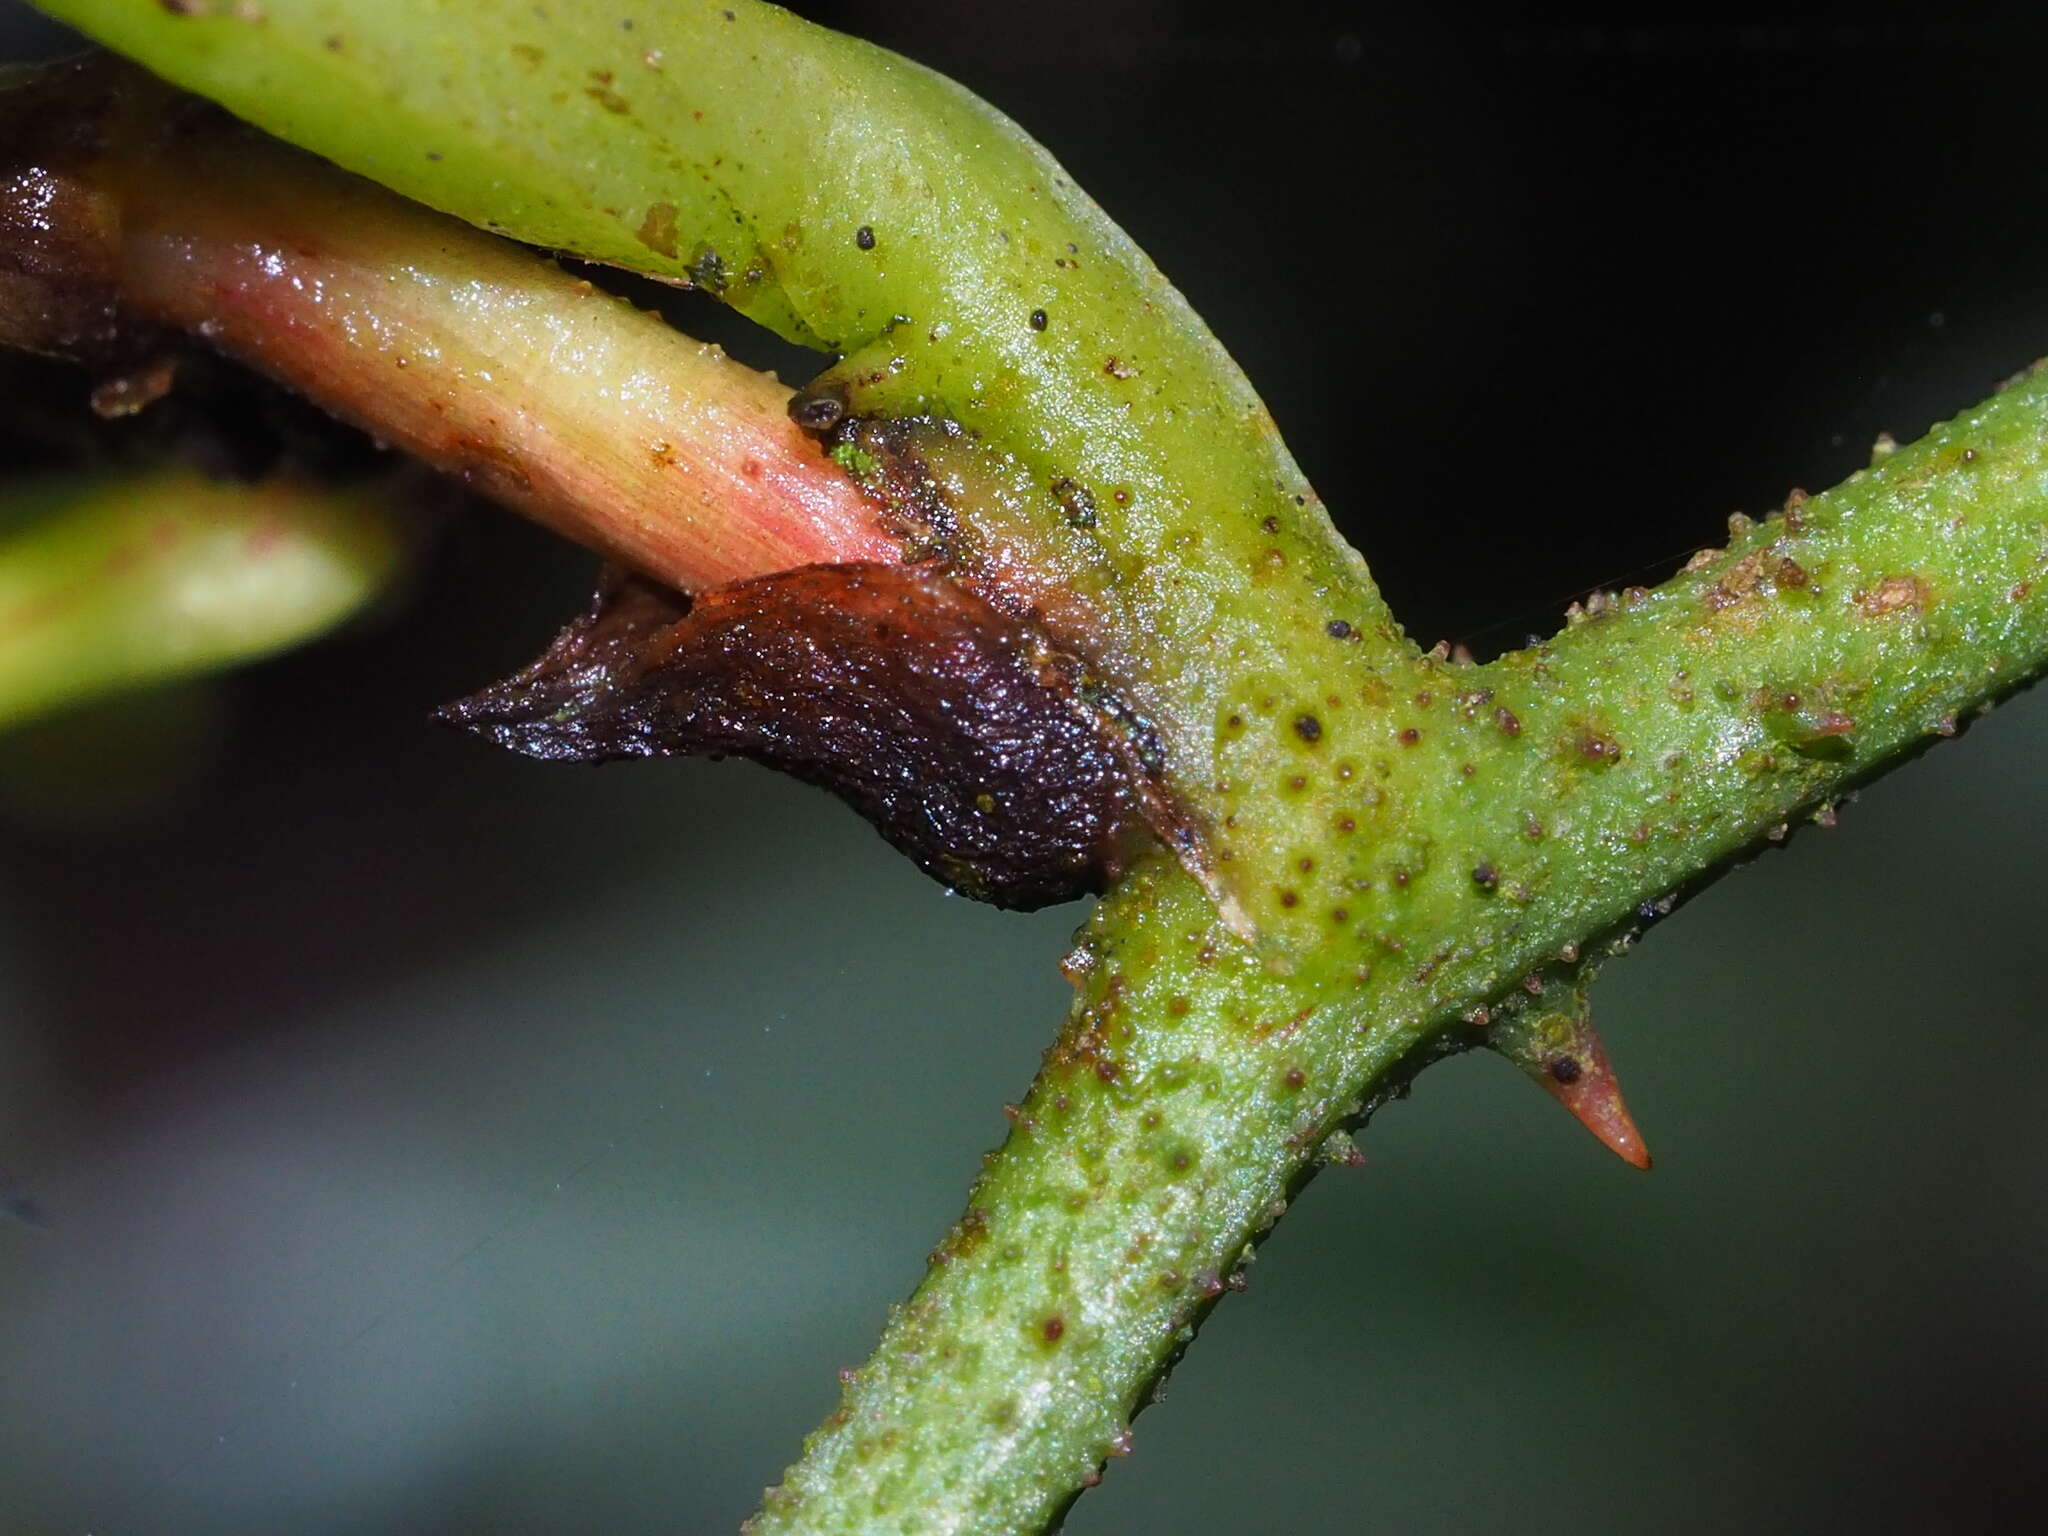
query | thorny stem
[1390, 842]
[1193, 1087]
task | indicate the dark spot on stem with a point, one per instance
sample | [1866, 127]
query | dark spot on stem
[1076, 501]
[818, 414]
[707, 271]
[1308, 728]
[1566, 1069]
[1038, 321]
[864, 237]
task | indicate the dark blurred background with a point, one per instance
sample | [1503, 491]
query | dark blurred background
[437, 1142]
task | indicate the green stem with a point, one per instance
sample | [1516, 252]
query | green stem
[1193, 1087]
[1385, 842]
[111, 583]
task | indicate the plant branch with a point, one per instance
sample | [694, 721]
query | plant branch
[1386, 845]
[472, 354]
[1194, 1088]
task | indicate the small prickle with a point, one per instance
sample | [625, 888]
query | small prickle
[1554, 1042]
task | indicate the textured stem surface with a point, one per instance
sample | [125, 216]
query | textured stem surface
[1575, 787]
[1387, 842]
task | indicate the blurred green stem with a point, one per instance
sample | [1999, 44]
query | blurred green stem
[108, 583]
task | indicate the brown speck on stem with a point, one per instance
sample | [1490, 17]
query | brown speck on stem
[1566, 1069]
[1038, 320]
[1410, 736]
[1053, 1328]
[1596, 748]
[1308, 728]
[1504, 719]
[1895, 594]
[1338, 629]
[864, 237]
